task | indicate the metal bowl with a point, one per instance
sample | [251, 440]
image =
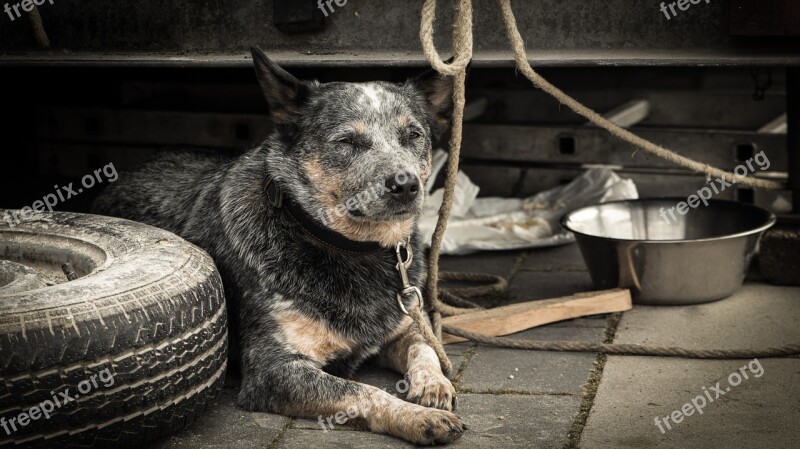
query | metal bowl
[697, 257]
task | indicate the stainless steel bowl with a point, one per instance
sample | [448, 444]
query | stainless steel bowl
[701, 256]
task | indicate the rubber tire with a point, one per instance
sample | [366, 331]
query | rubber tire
[16, 277]
[149, 307]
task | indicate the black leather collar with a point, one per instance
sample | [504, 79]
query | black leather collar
[313, 230]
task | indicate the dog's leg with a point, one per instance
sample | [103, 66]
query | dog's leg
[298, 388]
[410, 355]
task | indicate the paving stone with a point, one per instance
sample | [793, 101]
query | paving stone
[226, 426]
[589, 321]
[376, 376]
[314, 424]
[536, 371]
[498, 263]
[533, 371]
[456, 349]
[532, 285]
[589, 334]
[559, 258]
[528, 421]
[337, 439]
[758, 315]
[385, 378]
[760, 412]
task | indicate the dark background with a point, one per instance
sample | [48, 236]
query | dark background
[122, 80]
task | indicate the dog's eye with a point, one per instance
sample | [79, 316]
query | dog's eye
[413, 135]
[346, 140]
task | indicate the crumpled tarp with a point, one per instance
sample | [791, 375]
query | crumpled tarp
[480, 224]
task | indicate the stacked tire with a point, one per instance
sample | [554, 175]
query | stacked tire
[132, 350]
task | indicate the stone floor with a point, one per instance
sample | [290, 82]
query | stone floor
[571, 400]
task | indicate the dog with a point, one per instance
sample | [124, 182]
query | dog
[308, 260]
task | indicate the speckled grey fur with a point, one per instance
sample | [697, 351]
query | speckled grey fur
[267, 263]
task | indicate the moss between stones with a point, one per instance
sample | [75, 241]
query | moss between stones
[574, 435]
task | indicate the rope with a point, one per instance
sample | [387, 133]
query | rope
[416, 314]
[454, 302]
[38, 28]
[462, 49]
[462, 52]
[462, 38]
[605, 348]
[521, 58]
[623, 349]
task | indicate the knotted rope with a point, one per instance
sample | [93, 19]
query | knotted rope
[462, 54]
[38, 28]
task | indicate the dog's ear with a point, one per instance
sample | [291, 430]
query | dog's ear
[438, 92]
[285, 94]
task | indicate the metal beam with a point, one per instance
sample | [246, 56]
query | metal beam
[556, 32]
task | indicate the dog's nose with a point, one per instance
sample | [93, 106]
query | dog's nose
[403, 187]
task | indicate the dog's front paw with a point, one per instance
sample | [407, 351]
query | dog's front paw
[428, 426]
[431, 389]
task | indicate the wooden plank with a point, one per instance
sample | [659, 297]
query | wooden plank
[151, 127]
[705, 100]
[519, 317]
[510, 181]
[585, 145]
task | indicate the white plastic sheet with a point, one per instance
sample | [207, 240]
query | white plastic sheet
[480, 224]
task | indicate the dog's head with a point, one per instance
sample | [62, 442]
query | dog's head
[355, 156]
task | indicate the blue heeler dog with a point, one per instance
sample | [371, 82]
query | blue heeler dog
[307, 258]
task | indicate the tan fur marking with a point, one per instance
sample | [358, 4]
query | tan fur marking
[310, 337]
[280, 115]
[371, 408]
[387, 233]
[360, 127]
[422, 357]
[401, 329]
[396, 350]
[403, 120]
[329, 190]
[425, 170]
[376, 410]
[385, 413]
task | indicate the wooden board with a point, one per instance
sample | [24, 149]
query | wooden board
[519, 317]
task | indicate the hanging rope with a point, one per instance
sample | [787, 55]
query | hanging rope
[521, 58]
[38, 28]
[462, 54]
